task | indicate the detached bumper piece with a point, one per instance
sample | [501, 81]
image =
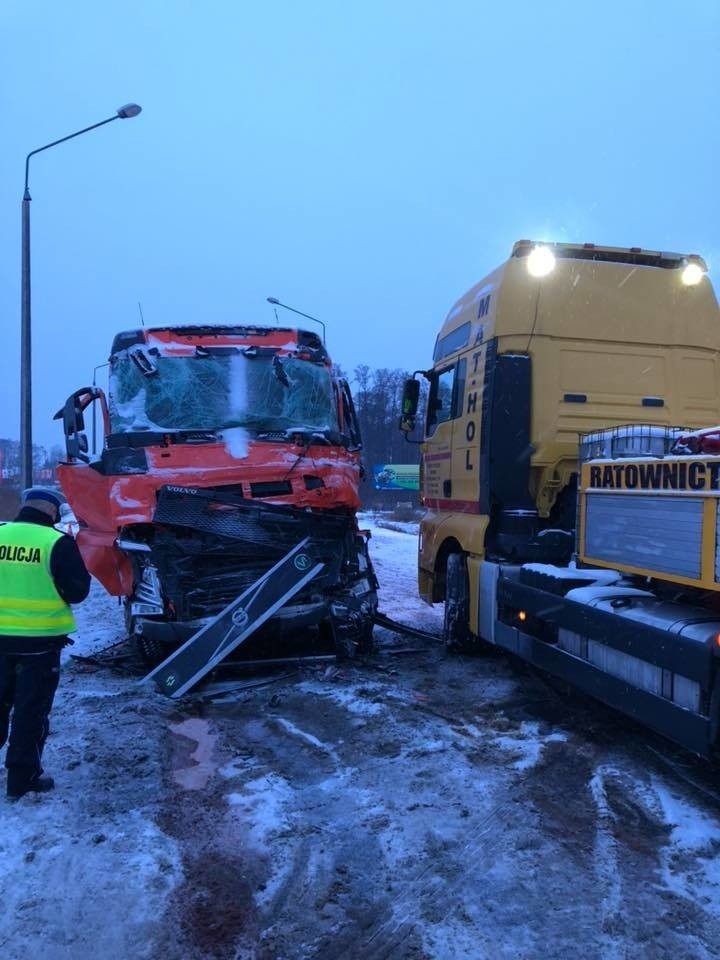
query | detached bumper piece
[233, 625]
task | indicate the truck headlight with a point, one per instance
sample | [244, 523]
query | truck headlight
[540, 261]
[692, 274]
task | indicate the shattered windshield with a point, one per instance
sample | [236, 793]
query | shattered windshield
[263, 394]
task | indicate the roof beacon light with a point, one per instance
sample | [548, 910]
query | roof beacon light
[540, 261]
[692, 274]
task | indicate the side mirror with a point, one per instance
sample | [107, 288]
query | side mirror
[77, 447]
[76, 444]
[410, 400]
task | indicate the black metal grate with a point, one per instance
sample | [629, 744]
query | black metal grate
[629, 440]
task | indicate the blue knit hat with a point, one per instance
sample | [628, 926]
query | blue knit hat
[48, 494]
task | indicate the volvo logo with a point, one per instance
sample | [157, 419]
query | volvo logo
[239, 617]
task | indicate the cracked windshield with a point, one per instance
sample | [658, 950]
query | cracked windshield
[215, 393]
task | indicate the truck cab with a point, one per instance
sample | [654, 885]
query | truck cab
[561, 339]
[222, 447]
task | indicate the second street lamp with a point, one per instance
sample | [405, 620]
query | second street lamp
[26, 459]
[94, 406]
[276, 303]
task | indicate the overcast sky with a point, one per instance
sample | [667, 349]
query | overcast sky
[365, 162]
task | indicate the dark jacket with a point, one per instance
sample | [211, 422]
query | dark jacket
[71, 579]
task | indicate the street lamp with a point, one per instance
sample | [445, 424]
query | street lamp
[26, 464]
[275, 302]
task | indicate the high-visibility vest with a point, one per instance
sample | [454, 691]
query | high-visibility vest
[30, 605]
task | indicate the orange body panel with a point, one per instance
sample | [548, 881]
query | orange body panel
[105, 505]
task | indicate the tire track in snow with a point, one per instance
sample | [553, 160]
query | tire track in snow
[606, 863]
[289, 727]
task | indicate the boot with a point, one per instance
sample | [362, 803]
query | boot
[39, 785]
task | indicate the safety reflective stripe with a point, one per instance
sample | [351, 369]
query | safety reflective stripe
[59, 626]
[28, 618]
[13, 602]
[23, 622]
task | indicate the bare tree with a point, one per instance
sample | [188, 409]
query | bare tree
[378, 399]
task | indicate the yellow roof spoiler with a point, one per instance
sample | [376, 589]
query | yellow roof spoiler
[593, 251]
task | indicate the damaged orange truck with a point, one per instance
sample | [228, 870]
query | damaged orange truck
[223, 447]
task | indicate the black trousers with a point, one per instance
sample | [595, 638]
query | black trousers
[27, 688]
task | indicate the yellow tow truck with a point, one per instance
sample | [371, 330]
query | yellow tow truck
[571, 479]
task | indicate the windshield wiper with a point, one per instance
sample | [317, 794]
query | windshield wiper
[280, 371]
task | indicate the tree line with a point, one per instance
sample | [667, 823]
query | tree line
[378, 402]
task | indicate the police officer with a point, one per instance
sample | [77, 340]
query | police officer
[41, 573]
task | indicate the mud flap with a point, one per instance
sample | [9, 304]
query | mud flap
[225, 632]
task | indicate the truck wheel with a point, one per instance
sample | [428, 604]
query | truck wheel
[456, 632]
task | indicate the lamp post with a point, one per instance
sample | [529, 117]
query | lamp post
[275, 302]
[26, 458]
[94, 406]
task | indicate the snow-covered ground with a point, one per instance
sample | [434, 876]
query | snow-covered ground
[415, 806]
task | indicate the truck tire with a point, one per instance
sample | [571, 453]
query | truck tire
[456, 631]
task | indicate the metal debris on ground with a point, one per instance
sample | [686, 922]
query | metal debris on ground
[222, 690]
[384, 621]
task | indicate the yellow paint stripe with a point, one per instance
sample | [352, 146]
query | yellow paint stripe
[19, 628]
